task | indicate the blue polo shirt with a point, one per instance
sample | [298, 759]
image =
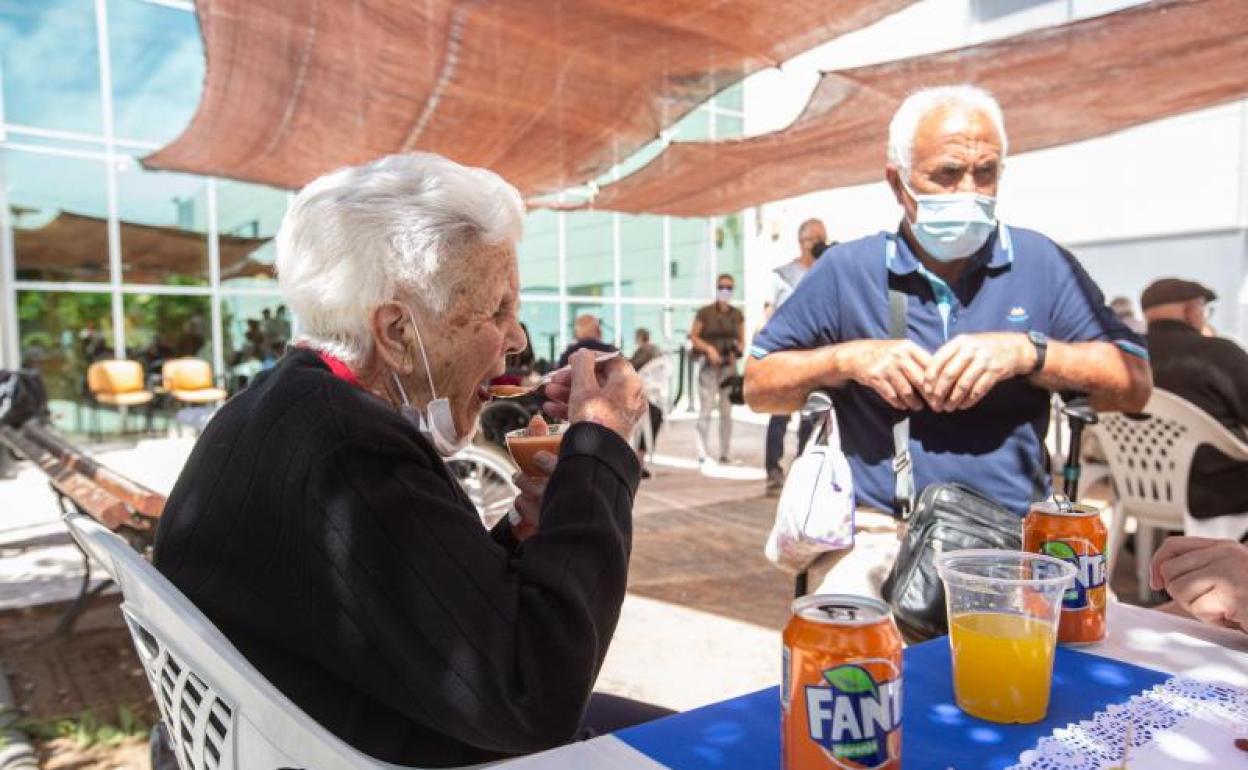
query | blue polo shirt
[1020, 280]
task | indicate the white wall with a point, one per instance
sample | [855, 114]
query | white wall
[1219, 260]
[1181, 174]
[1164, 198]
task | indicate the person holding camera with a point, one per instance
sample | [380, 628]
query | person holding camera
[718, 338]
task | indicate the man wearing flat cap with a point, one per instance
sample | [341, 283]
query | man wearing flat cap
[1209, 371]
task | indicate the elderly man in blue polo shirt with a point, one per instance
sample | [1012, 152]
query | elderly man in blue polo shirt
[996, 317]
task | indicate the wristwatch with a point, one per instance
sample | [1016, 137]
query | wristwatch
[1041, 343]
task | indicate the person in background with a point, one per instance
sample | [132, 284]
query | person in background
[718, 339]
[283, 327]
[1207, 578]
[812, 238]
[256, 348]
[645, 352]
[1212, 373]
[586, 333]
[1124, 309]
[274, 341]
[996, 318]
[193, 337]
[91, 343]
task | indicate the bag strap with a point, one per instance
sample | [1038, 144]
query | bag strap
[903, 469]
[819, 410]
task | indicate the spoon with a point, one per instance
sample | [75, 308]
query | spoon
[509, 392]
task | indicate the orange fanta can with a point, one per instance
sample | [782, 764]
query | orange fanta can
[1073, 533]
[841, 695]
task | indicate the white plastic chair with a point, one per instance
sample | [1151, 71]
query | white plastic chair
[656, 385]
[220, 712]
[1150, 461]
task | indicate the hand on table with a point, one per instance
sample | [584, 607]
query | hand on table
[968, 366]
[609, 394]
[892, 368]
[1206, 577]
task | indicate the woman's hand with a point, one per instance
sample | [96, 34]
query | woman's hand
[609, 394]
[529, 502]
[1206, 577]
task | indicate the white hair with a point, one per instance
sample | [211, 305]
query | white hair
[905, 123]
[400, 227]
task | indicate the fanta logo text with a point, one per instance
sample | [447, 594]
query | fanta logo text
[1090, 572]
[852, 715]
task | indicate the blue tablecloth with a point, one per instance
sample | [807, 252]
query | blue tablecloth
[744, 733]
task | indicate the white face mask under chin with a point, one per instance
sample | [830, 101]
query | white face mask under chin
[437, 421]
[952, 226]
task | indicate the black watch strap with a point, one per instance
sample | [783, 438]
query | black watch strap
[1041, 343]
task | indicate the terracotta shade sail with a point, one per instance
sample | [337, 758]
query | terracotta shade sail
[1056, 85]
[74, 247]
[548, 93]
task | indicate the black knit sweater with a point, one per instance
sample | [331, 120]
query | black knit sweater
[326, 539]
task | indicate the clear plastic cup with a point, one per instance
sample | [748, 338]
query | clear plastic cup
[524, 447]
[1004, 608]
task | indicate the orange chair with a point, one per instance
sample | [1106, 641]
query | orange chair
[189, 380]
[119, 384]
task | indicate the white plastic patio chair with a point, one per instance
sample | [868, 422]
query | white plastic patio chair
[220, 713]
[656, 385]
[1150, 461]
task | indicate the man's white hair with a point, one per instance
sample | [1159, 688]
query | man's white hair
[401, 227]
[905, 123]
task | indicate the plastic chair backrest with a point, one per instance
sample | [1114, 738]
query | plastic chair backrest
[1150, 457]
[221, 713]
[115, 376]
[186, 374]
[656, 381]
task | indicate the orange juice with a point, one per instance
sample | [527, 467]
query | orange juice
[1002, 665]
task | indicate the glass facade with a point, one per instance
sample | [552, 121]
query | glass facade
[103, 258]
[631, 271]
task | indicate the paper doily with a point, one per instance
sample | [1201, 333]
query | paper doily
[1096, 743]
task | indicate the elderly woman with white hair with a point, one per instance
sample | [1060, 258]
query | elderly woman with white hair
[315, 522]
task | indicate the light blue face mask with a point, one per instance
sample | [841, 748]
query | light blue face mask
[952, 226]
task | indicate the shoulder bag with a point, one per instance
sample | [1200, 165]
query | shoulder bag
[816, 509]
[946, 517]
